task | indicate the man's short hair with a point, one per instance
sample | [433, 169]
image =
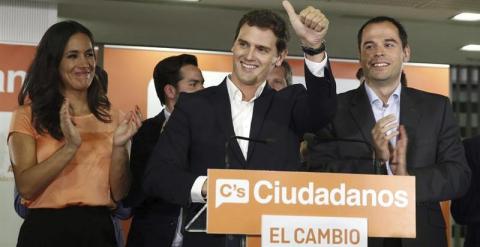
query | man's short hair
[167, 71]
[379, 19]
[264, 18]
[288, 72]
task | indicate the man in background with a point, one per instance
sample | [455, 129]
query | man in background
[155, 221]
[280, 76]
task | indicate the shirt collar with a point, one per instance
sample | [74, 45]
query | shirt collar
[236, 95]
[166, 113]
[375, 100]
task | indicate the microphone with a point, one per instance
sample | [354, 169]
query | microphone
[234, 138]
[325, 137]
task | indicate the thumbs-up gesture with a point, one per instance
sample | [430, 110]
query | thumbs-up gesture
[310, 25]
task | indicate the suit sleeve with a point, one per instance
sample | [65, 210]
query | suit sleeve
[167, 174]
[449, 177]
[138, 158]
[314, 109]
[466, 210]
[325, 156]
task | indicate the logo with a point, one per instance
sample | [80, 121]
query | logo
[267, 192]
[231, 191]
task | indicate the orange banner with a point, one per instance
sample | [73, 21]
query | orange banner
[14, 63]
[130, 73]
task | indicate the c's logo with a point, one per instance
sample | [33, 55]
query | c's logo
[231, 191]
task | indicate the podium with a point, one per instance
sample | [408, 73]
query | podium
[237, 200]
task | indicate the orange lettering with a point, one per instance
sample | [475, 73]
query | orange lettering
[354, 236]
[310, 237]
[274, 234]
[224, 192]
[296, 235]
[282, 233]
[337, 236]
[323, 235]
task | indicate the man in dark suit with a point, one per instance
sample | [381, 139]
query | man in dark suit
[381, 112]
[466, 210]
[200, 132]
[155, 221]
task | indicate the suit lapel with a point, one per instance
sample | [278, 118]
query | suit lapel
[221, 104]
[362, 113]
[409, 114]
[260, 108]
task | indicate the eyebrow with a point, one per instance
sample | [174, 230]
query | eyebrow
[256, 46]
[195, 80]
[368, 42]
[385, 40]
[242, 40]
[77, 51]
[390, 40]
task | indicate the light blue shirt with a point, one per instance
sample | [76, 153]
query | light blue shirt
[381, 110]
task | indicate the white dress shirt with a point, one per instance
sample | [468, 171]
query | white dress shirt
[167, 114]
[381, 110]
[242, 112]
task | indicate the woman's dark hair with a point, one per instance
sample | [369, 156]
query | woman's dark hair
[43, 82]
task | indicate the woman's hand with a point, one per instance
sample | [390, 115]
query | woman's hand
[127, 127]
[70, 132]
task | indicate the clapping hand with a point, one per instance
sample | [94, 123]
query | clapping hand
[398, 163]
[382, 133]
[70, 132]
[128, 127]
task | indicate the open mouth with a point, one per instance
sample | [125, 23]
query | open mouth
[379, 64]
[248, 66]
[83, 75]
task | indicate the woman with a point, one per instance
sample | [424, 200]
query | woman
[67, 146]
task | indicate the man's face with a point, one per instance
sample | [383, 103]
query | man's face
[254, 55]
[381, 54]
[276, 78]
[192, 79]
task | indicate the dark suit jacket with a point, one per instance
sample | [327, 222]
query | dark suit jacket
[466, 210]
[435, 154]
[154, 220]
[195, 136]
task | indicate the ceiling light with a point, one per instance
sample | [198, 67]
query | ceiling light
[465, 16]
[470, 47]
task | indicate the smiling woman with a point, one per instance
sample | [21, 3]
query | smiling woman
[68, 148]
[77, 66]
